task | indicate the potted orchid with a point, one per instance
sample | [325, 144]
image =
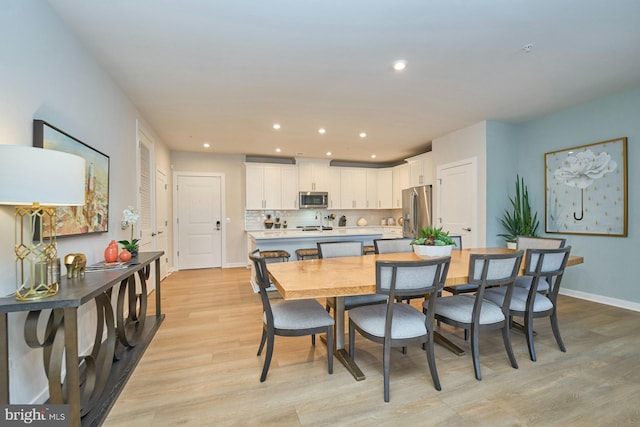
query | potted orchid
[130, 217]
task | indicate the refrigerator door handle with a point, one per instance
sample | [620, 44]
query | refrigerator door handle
[414, 213]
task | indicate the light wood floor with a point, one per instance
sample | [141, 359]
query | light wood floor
[202, 370]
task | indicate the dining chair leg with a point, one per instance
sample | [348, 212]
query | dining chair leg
[330, 348]
[556, 331]
[267, 359]
[262, 341]
[475, 353]
[528, 325]
[313, 339]
[506, 337]
[431, 360]
[385, 367]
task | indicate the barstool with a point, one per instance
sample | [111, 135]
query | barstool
[308, 253]
[275, 255]
[368, 250]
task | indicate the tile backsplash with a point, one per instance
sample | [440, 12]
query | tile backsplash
[254, 220]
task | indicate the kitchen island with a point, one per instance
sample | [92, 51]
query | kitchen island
[292, 239]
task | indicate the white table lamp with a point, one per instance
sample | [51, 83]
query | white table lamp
[36, 180]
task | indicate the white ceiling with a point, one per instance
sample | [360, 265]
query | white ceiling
[224, 71]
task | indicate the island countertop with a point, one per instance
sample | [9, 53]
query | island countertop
[315, 235]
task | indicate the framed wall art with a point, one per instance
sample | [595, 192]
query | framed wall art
[93, 217]
[586, 189]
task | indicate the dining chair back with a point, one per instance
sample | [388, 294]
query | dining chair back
[473, 312]
[395, 324]
[527, 242]
[458, 240]
[388, 246]
[289, 318]
[342, 249]
[541, 265]
[339, 249]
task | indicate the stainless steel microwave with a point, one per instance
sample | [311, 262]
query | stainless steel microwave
[313, 200]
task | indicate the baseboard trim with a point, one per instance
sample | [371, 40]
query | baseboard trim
[235, 265]
[601, 299]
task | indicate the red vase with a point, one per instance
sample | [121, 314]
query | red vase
[125, 255]
[111, 252]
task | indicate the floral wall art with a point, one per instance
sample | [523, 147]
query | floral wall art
[586, 189]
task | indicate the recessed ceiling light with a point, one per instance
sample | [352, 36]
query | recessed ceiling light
[322, 131]
[373, 156]
[206, 145]
[278, 150]
[276, 126]
[400, 65]
[363, 135]
[328, 153]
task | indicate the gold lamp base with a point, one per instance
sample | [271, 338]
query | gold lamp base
[36, 254]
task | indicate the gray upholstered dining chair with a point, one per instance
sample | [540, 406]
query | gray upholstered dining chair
[540, 264]
[526, 242]
[289, 318]
[473, 312]
[341, 249]
[467, 287]
[388, 246]
[395, 324]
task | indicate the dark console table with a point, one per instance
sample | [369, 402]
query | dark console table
[123, 330]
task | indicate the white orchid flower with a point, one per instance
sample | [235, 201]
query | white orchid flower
[583, 168]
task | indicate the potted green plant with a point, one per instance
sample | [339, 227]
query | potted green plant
[433, 241]
[520, 220]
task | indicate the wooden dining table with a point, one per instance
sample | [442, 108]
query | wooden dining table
[356, 275]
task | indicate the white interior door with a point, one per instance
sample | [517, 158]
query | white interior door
[458, 200]
[199, 222]
[145, 194]
[162, 221]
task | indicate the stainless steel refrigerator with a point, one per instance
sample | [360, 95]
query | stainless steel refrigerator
[416, 210]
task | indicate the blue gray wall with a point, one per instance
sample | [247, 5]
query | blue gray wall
[608, 274]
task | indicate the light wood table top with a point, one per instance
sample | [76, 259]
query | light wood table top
[356, 275]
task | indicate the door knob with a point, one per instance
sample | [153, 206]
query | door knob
[153, 234]
[466, 228]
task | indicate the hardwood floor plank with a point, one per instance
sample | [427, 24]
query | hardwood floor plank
[201, 369]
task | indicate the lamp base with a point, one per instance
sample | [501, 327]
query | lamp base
[27, 293]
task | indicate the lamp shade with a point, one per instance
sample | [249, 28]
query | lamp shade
[35, 175]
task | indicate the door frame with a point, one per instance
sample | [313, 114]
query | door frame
[223, 235]
[473, 161]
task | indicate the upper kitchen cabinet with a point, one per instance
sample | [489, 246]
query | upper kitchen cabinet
[334, 188]
[313, 175]
[421, 170]
[353, 188]
[271, 186]
[385, 189]
[400, 182]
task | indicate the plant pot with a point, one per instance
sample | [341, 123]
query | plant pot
[511, 245]
[424, 251]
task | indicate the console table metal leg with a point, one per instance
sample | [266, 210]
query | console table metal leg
[71, 358]
[4, 359]
[157, 268]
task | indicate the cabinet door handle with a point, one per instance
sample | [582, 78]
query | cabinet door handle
[466, 228]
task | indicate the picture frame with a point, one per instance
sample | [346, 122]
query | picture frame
[93, 217]
[586, 189]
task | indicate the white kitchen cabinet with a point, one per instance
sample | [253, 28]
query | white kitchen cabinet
[421, 169]
[313, 175]
[372, 189]
[400, 182]
[384, 188]
[353, 188]
[269, 186]
[334, 188]
[289, 185]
